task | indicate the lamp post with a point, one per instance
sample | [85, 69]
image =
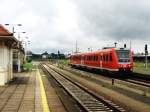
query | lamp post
[13, 26]
[19, 46]
[26, 42]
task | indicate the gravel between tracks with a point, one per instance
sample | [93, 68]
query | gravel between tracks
[129, 103]
[137, 92]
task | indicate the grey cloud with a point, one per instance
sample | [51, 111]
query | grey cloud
[57, 24]
[116, 19]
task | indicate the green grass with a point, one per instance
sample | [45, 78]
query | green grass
[140, 68]
[62, 63]
[28, 66]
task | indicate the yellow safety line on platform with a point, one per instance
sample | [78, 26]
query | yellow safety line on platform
[43, 94]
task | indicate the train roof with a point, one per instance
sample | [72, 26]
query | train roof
[102, 50]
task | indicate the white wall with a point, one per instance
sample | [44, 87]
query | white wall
[5, 64]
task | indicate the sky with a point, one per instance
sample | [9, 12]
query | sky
[53, 25]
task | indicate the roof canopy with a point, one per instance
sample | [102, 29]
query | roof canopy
[7, 36]
[4, 32]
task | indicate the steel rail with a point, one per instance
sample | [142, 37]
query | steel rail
[87, 100]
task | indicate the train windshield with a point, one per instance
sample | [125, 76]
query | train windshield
[123, 55]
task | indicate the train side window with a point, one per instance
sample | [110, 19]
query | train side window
[110, 56]
[96, 58]
[104, 57]
[107, 58]
[101, 58]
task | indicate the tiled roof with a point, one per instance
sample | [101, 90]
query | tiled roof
[4, 31]
[8, 37]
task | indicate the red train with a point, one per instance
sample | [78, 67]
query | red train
[109, 59]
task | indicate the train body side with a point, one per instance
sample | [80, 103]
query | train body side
[107, 59]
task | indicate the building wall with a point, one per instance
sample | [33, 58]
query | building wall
[5, 64]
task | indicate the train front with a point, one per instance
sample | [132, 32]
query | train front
[125, 59]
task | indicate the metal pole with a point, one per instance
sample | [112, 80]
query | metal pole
[76, 46]
[146, 61]
[146, 53]
[13, 30]
[130, 44]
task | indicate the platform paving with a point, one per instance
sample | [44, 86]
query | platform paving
[54, 102]
[23, 94]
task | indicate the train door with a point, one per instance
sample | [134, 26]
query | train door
[101, 59]
[82, 60]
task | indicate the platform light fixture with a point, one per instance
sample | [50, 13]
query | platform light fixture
[13, 26]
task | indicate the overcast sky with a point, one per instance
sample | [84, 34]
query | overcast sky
[53, 25]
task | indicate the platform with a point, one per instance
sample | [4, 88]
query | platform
[27, 93]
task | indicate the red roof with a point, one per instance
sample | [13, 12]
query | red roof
[7, 36]
[4, 31]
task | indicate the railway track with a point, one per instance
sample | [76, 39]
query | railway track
[134, 78]
[138, 81]
[88, 101]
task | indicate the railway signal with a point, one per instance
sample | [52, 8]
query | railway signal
[146, 53]
[115, 44]
[125, 46]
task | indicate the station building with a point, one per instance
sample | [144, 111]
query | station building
[7, 43]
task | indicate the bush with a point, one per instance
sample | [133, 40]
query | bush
[29, 60]
[28, 66]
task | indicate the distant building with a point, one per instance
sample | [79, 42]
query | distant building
[45, 55]
[28, 54]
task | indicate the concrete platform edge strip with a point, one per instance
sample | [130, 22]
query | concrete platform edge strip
[43, 94]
